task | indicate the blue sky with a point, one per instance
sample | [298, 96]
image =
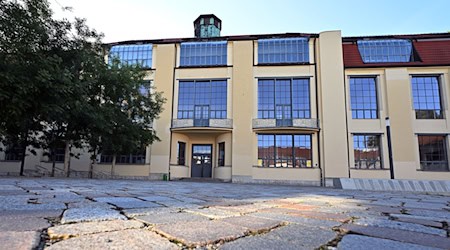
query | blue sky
[151, 19]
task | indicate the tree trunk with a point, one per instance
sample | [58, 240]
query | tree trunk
[67, 160]
[113, 166]
[22, 163]
[53, 161]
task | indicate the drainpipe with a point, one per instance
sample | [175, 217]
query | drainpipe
[319, 159]
[388, 135]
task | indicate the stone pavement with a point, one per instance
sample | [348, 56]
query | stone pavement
[126, 214]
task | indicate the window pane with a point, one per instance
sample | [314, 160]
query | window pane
[391, 50]
[363, 98]
[433, 152]
[203, 53]
[366, 149]
[209, 98]
[286, 50]
[284, 151]
[283, 99]
[221, 157]
[181, 157]
[426, 97]
[132, 54]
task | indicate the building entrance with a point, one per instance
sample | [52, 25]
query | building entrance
[201, 160]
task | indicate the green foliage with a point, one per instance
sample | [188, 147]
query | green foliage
[55, 85]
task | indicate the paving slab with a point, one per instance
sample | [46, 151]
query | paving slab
[19, 240]
[165, 218]
[420, 221]
[213, 212]
[253, 224]
[90, 214]
[22, 223]
[126, 239]
[356, 242]
[385, 223]
[298, 219]
[286, 237]
[85, 228]
[134, 212]
[427, 240]
[201, 233]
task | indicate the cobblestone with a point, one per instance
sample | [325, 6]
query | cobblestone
[131, 214]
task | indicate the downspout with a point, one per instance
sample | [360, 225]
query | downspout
[346, 118]
[319, 158]
[171, 115]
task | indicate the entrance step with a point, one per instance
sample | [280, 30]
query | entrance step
[427, 186]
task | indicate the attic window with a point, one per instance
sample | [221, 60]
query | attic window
[389, 50]
[132, 54]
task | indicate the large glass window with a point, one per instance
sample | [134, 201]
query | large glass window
[285, 50]
[207, 97]
[427, 97]
[203, 53]
[433, 152]
[133, 54]
[389, 50]
[283, 99]
[288, 151]
[363, 97]
[367, 151]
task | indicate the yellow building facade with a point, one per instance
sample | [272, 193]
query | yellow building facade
[287, 108]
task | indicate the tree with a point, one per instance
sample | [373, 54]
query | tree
[56, 86]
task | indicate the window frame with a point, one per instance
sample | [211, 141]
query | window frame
[415, 99]
[376, 89]
[181, 153]
[190, 59]
[106, 158]
[146, 61]
[444, 150]
[221, 154]
[385, 50]
[359, 159]
[217, 100]
[294, 100]
[268, 46]
[296, 162]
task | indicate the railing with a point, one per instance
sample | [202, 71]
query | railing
[213, 123]
[289, 123]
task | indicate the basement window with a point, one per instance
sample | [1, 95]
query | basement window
[386, 50]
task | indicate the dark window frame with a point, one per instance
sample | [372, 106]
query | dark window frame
[131, 54]
[294, 50]
[386, 50]
[195, 54]
[214, 96]
[366, 95]
[221, 154]
[295, 105]
[181, 153]
[136, 158]
[276, 159]
[420, 91]
[358, 158]
[433, 165]
[12, 153]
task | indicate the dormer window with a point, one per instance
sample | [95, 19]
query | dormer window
[386, 50]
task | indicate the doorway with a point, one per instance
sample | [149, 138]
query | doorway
[201, 161]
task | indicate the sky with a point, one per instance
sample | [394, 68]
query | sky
[121, 20]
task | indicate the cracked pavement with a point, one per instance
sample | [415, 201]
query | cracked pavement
[48, 213]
